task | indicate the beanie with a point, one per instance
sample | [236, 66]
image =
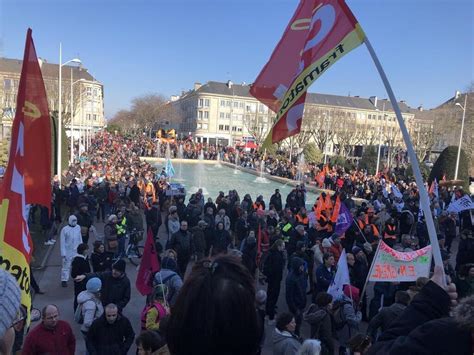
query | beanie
[326, 243]
[119, 265]
[9, 300]
[94, 285]
[356, 250]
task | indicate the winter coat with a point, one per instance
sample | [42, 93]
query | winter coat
[110, 339]
[199, 239]
[220, 242]
[101, 261]
[84, 220]
[323, 277]
[91, 308]
[135, 220]
[172, 281]
[352, 319]
[181, 242]
[110, 233]
[295, 287]
[322, 328]
[58, 341]
[173, 226]
[275, 200]
[285, 343]
[273, 266]
[114, 290]
[383, 319]
[224, 219]
[69, 240]
[79, 266]
[425, 328]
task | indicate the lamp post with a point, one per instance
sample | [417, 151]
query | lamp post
[60, 108]
[460, 137]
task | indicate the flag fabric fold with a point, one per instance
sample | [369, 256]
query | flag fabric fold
[341, 278]
[319, 33]
[344, 220]
[28, 173]
[149, 265]
[169, 169]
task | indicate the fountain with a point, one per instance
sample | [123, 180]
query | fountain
[237, 163]
[218, 158]
[199, 175]
[158, 149]
[180, 166]
[300, 176]
[262, 179]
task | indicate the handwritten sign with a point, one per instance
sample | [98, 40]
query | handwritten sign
[394, 266]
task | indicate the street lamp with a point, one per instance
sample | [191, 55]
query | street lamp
[61, 64]
[460, 137]
[71, 160]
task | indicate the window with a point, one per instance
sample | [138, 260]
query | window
[234, 129]
[199, 114]
[88, 117]
[89, 91]
[201, 103]
[204, 126]
[241, 104]
[236, 104]
[226, 128]
[239, 129]
[370, 117]
[198, 126]
[95, 92]
[7, 84]
[228, 103]
[95, 117]
[380, 118]
[221, 127]
[221, 115]
[227, 115]
[260, 108]
[206, 103]
[222, 103]
[206, 115]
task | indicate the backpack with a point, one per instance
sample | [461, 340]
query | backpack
[78, 317]
[338, 314]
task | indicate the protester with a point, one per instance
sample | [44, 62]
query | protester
[79, 266]
[53, 336]
[182, 243]
[9, 307]
[111, 334]
[285, 340]
[69, 240]
[213, 293]
[320, 319]
[100, 259]
[90, 305]
[156, 309]
[273, 271]
[150, 343]
[169, 277]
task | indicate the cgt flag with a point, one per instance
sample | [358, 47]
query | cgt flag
[148, 266]
[28, 173]
[319, 33]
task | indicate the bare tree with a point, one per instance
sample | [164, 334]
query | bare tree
[148, 110]
[257, 126]
[346, 134]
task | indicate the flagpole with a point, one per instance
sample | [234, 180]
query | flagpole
[368, 275]
[425, 203]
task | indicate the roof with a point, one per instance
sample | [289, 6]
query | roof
[242, 90]
[49, 70]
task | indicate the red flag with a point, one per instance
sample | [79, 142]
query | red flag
[148, 266]
[319, 33]
[32, 105]
[320, 178]
[29, 146]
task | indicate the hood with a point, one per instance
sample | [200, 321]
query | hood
[279, 336]
[168, 263]
[164, 274]
[85, 296]
[314, 314]
[296, 263]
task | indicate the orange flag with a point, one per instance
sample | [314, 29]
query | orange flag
[335, 212]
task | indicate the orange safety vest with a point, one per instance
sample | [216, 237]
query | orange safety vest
[302, 220]
[327, 227]
[257, 206]
[391, 229]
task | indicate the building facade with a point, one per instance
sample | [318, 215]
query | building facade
[84, 98]
[226, 113]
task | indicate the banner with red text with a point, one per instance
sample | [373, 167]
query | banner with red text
[390, 265]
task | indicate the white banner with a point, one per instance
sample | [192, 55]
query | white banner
[462, 204]
[341, 278]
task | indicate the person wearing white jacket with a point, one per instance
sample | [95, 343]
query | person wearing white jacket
[69, 240]
[90, 304]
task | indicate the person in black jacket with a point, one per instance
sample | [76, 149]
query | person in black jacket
[84, 220]
[79, 266]
[153, 218]
[181, 242]
[111, 334]
[100, 259]
[115, 285]
[295, 291]
[275, 200]
[425, 326]
[273, 270]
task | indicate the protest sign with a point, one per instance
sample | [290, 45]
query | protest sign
[390, 265]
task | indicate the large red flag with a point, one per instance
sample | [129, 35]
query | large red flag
[148, 266]
[319, 33]
[32, 105]
[29, 142]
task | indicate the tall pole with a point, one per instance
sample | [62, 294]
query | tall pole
[60, 108]
[380, 142]
[460, 137]
[71, 160]
[424, 199]
[326, 140]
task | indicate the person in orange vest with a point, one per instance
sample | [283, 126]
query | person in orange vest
[302, 217]
[324, 225]
[390, 232]
[259, 204]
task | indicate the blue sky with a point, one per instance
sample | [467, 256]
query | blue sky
[137, 47]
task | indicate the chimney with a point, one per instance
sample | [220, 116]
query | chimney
[457, 94]
[420, 108]
[174, 98]
[229, 84]
[373, 99]
[197, 86]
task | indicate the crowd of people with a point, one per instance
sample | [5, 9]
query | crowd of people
[225, 263]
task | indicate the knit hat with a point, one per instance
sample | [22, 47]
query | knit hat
[326, 243]
[119, 265]
[94, 285]
[261, 297]
[172, 209]
[9, 300]
[356, 250]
